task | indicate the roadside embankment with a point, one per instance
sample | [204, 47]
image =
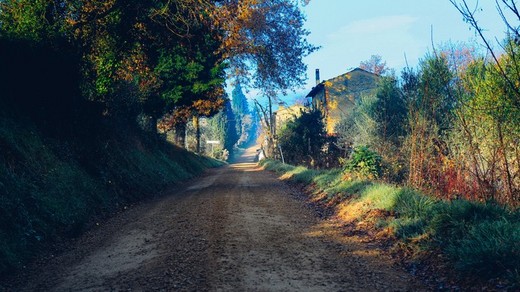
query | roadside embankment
[53, 186]
[433, 237]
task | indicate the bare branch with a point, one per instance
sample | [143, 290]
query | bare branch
[469, 16]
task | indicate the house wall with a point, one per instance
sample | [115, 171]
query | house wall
[342, 93]
[318, 101]
[284, 114]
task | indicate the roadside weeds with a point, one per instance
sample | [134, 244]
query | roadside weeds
[449, 245]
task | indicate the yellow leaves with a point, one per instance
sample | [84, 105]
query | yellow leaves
[199, 107]
[135, 67]
[330, 124]
[95, 7]
[333, 104]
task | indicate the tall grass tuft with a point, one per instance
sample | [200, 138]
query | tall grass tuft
[489, 248]
[451, 220]
[411, 204]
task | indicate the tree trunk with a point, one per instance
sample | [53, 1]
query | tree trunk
[180, 134]
[196, 123]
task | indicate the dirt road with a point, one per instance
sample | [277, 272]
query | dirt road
[237, 228]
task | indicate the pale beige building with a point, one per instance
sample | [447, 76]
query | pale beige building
[334, 96]
[285, 114]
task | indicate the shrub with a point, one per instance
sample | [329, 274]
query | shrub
[302, 139]
[364, 163]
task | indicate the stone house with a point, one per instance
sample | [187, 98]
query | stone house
[333, 97]
[287, 113]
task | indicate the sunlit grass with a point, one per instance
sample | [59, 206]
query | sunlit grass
[381, 196]
[479, 238]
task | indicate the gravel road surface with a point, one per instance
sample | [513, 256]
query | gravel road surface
[237, 228]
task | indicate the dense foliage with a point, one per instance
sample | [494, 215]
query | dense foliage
[223, 128]
[245, 121]
[303, 138]
[140, 60]
[450, 127]
[83, 84]
[364, 163]
[53, 188]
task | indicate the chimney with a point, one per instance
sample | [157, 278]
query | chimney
[317, 76]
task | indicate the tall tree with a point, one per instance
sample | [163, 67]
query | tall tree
[486, 131]
[265, 42]
[223, 128]
[143, 58]
[430, 117]
[375, 65]
[241, 109]
[239, 101]
[389, 111]
[510, 14]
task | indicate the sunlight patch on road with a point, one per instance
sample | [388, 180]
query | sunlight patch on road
[247, 167]
[325, 228]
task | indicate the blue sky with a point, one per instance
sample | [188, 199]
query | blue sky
[350, 31]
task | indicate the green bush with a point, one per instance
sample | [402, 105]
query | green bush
[303, 138]
[364, 163]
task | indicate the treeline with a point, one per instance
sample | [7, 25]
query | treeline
[450, 127]
[137, 61]
[431, 162]
[85, 83]
[235, 126]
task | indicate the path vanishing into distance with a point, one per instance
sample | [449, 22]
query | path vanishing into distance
[237, 228]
